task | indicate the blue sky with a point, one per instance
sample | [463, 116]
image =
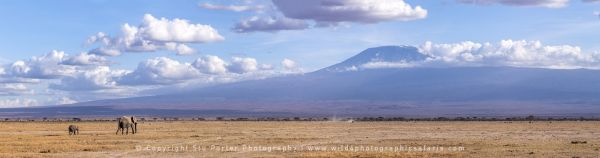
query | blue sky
[35, 28]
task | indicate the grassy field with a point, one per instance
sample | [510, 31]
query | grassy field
[302, 139]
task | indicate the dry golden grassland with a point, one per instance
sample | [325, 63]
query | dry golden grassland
[253, 139]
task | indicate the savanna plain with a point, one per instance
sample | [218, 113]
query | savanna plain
[304, 139]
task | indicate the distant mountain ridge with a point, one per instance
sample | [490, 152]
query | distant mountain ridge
[380, 54]
[413, 91]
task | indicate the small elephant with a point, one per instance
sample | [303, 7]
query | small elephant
[73, 130]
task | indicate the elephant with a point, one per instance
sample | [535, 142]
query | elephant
[126, 122]
[73, 130]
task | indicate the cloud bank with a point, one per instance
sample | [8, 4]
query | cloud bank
[512, 53]
[87, 76]
[517, 53]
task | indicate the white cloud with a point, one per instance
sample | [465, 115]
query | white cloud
[105, 51]
[518, 53]
[89, 77]
[597, 13]
[243, 65]
[176, 30]
[265, 67]
[160, 70]
[362, 11]
[532, 3]
[43, 67]
[84, 59]
[65, 100]
[97, 78]
[204, 70]
[269, 24]
[211, 65]
[376, 65]
[19, 102]
[288, 64]
[235, 8]
[155, 34]
[181, 49]
[14, 89]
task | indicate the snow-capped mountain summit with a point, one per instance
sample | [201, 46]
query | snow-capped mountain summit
[383, 54]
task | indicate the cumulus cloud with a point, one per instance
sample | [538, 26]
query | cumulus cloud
[105, 51]
[511, 53]
[531, 3]
[362, 11]
[235, 8]
[160, 70]
[43, 67]
[85, 59]
[166, 71]
[176, 30]
[269, 24]
[155, 34]
[517, 53]
[597, 13]
[19, 102]
[243, 65]
[181, 49]
[87, 76]
[288, 64]
[97, 78]
[211, 65]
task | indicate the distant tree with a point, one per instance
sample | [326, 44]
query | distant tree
[530, 117]
[242, 119]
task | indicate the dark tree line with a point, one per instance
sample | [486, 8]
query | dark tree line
[158, 119]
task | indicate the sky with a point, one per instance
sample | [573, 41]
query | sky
[62, 52]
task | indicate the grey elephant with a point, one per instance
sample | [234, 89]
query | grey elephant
[73, 130]
[126, 122]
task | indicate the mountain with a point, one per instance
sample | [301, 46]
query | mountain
[380, 54]
[409, 92]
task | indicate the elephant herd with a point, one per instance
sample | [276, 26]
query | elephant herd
[123, 125]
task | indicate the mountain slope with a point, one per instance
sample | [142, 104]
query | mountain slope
[417, 91]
